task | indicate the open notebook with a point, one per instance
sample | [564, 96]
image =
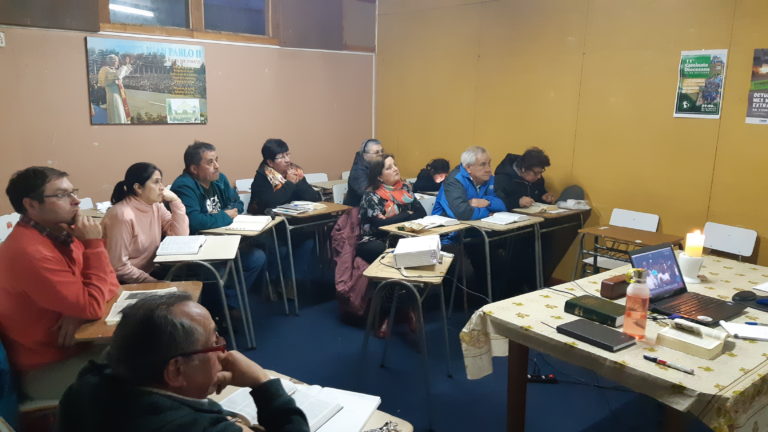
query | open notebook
[181, 245]
[327, 409]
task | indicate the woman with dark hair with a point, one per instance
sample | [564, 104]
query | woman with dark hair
[134, 225]
[431, 177]
[388, 200]
[278, 181]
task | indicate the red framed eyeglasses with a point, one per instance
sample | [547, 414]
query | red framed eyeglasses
[221, 346]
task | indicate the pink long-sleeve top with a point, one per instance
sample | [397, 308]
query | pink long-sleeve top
[133, 230]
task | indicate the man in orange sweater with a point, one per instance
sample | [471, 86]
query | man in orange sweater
[54, 274]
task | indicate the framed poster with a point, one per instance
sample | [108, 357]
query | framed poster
[757, 105]
[142, 82]
[700, 79]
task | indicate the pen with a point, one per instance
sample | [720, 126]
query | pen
[668, 364]
[754, 323]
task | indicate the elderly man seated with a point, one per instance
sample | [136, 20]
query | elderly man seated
[165, 359]
[467, 193]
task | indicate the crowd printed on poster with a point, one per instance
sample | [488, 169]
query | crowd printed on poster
[701, 75]
[757, 104]
[142, 82]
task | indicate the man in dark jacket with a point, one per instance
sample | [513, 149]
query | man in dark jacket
[166, 358]
[520, 181]
[357, 183]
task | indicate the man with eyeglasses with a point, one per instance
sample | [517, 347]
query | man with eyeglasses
[520, 180]
[165, 359]
[370, 150]
[54, 275]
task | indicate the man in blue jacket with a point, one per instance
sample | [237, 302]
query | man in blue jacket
[467, 193]
[212, 202]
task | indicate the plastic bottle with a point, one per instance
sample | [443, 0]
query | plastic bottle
[636, 312]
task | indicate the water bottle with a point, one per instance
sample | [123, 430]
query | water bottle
[636, 312]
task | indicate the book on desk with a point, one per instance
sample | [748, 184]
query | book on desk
[327, 409]
[180, 245]
[596, 309]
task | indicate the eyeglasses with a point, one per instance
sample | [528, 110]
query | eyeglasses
[64, 195]
[537, 173]
[220, 346]
[285, 155]
[378, 152]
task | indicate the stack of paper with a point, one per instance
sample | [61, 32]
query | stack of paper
[504, 218]
[297, 207]
[540, 208]
[746, 331]
[249, 223]
[181, 245]
[130, 297]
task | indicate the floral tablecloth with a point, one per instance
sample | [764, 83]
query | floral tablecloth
[729, 393]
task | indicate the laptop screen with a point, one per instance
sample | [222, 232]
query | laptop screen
[664, 277]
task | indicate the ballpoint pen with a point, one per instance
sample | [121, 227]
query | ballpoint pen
[755, 323]
[668, 364]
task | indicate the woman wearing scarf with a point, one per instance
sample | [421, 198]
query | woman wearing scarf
[388, 200]
[278, 181]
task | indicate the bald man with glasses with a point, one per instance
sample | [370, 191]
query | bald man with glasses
[165, 359]
[54, 275]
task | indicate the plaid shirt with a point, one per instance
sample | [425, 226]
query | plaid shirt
[64, 238]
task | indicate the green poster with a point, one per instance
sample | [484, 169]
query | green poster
[700, 83]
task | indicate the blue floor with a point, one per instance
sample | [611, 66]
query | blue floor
[318, 348]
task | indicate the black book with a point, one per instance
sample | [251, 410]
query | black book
[596, 334]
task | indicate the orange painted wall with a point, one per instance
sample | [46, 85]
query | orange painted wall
[590, 81]
[320, 102]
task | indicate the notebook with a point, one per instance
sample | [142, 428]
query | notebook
[596, 334]
[669, 295]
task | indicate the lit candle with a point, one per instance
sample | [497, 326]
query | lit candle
[694, 244]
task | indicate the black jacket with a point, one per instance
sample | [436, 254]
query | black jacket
[357, 182]
[99, 401]
[264, 196]
[425, 182]
[510, 187]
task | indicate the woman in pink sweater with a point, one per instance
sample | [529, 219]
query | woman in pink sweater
[135, 224]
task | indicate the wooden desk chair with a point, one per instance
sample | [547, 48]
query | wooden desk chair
[316, 177]
[416, 281]
[730, 239]
[7, 222]
[344, 175]
[339, 191]
[243, 185]
[86, 203]
[613, 253]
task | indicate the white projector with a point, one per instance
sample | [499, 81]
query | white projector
[417, 251]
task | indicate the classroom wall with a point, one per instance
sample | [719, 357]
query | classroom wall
[593, 83]
[320, 102]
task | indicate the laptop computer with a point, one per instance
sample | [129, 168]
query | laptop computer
[669, 295]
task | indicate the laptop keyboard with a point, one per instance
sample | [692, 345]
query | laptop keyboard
[691, 303]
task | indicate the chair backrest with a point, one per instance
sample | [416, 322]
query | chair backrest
[634, 219]
[339, 191]
[730, 239]
[572, 192]
[7, 222]
[9, 407]
[86, 203]
[245, 198]
[243, 185]
[427, 201]
[344, 175]
[316, 177]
